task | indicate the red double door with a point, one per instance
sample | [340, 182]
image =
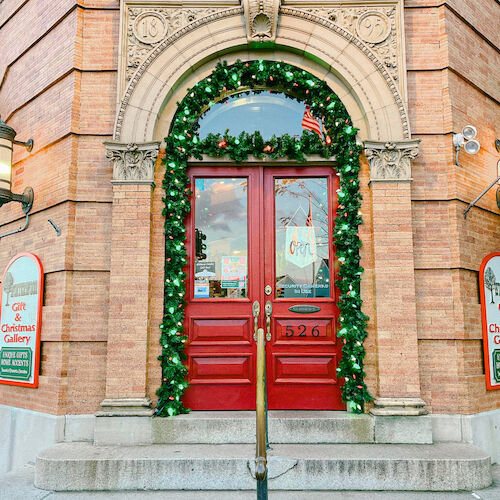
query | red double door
[262, 234]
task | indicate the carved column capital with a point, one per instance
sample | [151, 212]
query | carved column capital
[261, 19]
[391, 161]
[133, 163]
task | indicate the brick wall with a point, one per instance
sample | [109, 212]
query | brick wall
[67, 104]
[58, 86]
[453, 63]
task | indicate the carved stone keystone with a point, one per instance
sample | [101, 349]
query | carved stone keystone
[261, 17]
[133, 163]
[391, 161]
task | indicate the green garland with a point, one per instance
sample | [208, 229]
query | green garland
[184, 142]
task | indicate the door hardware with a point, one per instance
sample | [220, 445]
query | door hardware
[304, 309]
[256, 313]
[268, 290]
[269, 311]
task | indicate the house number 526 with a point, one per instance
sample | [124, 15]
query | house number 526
[301, 331]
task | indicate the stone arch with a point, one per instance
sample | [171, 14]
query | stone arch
[305, 40]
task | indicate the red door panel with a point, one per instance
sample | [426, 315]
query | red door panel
[220, 348]
[303, 353]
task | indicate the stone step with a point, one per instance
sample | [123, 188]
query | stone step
[437, 467]
[230, 427]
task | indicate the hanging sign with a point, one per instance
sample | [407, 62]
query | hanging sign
[20, 321]
[489, 287]
[300, 245]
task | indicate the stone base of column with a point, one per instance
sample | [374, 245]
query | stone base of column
[395, 421]
[124, 421]
[391, 407]
[126, 407]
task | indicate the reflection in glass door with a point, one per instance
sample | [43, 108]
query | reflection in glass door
[221, 238]
[302, 243]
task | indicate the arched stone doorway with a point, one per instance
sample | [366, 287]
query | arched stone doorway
[375, 103]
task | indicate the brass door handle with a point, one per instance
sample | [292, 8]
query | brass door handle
[269, 312]
[256, 313]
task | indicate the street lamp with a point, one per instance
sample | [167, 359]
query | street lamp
[7, 141]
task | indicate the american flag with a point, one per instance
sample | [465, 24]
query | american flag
[309, 220]
[309, 122]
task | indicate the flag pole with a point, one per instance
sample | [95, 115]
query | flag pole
[310, 224]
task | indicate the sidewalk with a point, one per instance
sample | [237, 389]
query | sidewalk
[18, 485]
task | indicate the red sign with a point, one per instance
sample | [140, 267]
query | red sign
[489, 287]
[20, 321]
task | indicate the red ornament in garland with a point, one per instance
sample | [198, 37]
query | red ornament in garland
[268, 149]
[328, 140]
[222, 144]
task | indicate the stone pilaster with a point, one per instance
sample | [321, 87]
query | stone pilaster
[396, 318]
[133, 175]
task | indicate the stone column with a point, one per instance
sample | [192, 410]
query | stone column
[133, 181]
[396, 319]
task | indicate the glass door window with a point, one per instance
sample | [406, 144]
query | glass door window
[301, 237]
[221, 238]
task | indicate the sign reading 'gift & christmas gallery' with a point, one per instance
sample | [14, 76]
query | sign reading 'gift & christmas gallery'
[20, 321]
[489, 286]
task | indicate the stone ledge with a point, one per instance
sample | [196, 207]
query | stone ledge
[212, 427]
[438, 467]
[403, 429]
[399, 407]
[126, 407]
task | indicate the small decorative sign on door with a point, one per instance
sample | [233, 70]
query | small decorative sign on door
[489, 286]
[20, 321]
[234, 272]
[300, 245]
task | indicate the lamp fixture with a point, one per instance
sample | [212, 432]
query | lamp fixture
[7, 141]
[466, 140]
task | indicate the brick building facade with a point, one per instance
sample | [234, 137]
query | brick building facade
[75, 75]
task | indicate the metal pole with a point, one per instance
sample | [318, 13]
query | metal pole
[261, 424]
[262, 489]
[480, 196]
[267, 424]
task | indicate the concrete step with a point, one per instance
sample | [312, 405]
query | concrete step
[284, 427]
[437, 467]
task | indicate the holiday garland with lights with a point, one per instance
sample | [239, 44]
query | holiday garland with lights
[184, 142]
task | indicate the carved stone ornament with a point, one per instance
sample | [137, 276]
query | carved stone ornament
[261, 17]
[391, 161]
[133, 163]
[376, 26]
[147, 27]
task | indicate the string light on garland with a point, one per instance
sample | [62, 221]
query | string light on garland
[184, 142]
